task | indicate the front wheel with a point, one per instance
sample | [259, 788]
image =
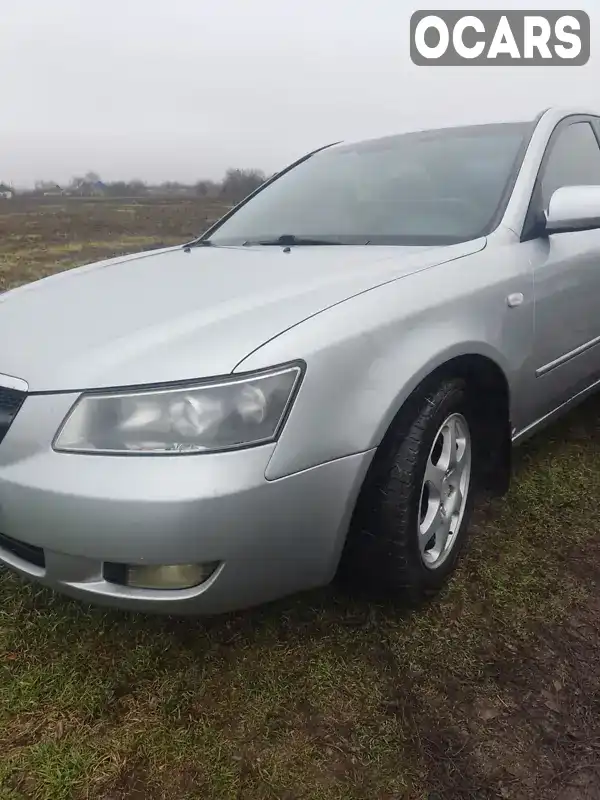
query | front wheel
[411, 519]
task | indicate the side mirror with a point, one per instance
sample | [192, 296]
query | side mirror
[573, 208]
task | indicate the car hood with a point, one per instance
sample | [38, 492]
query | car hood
[171, 315]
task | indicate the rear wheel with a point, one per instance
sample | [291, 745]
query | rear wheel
[412, 516]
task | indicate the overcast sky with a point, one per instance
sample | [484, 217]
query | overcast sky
[183, 89]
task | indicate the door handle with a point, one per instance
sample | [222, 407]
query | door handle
[514, 300]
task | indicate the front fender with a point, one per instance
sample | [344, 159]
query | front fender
[365, 356]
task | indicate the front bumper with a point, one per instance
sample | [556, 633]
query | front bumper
[271, 538]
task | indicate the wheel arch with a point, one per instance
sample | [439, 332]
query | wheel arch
[489, 387]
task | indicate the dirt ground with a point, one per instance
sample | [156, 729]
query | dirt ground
[491, 691]
[37, 237]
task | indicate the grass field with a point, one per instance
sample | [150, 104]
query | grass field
[492, 691]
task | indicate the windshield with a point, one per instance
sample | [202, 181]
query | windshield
[435, 187]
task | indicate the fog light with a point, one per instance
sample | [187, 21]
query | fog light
[169, 576]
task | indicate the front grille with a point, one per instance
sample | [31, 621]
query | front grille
[28, 552]
[11, 401]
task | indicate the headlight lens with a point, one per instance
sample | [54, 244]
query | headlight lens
[235, 412]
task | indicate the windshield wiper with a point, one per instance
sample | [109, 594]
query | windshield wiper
[288, 239]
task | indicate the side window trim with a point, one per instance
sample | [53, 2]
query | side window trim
[531, 225]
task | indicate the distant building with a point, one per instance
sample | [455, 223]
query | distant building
[52, 190]
[85, 188]
[6, 192]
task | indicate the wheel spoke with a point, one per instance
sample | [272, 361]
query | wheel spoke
[442, 533]
[461, 449]
[434, 475]
[454, 502]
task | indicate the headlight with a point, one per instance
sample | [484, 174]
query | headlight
[209, 416]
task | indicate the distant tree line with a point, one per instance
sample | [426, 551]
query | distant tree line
[233, 187]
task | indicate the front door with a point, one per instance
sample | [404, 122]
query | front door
[566, 273]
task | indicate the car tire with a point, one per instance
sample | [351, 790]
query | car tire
[388, 552]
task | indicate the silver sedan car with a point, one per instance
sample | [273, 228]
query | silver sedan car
[318, 385]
